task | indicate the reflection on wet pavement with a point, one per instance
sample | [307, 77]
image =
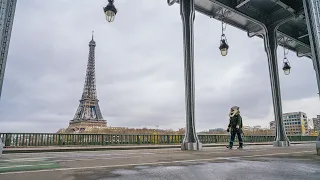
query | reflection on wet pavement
[259, 169]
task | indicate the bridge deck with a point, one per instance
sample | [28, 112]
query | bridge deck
[253, 162]
[251, 15]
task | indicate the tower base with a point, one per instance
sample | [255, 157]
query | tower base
[75, 125]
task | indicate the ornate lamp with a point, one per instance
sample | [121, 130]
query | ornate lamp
[223, 47]
[286, 65]
[286, 68]
[110, 11]
[223, 42]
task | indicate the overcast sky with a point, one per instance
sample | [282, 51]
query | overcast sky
[139, 69]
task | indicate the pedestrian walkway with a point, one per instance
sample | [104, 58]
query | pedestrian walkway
[169, 164]
[119, 147]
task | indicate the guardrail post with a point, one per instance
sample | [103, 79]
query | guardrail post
[318, 144]
[138, 139]
[102, 140]
[59, 140]
[1, 147]
[7, 141]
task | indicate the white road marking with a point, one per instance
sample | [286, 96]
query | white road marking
[74, 156]
[27, 165]
[228, 151]
[154, 163]
[90, 159]
[86, 152]
[25, 159]
[66, 160]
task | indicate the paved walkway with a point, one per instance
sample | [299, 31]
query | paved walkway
[119, 147]
[252, 163]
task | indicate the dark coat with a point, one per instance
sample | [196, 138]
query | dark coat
[234, 121]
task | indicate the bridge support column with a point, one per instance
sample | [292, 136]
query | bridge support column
[313, 25]
[187, 12]
[271, 44]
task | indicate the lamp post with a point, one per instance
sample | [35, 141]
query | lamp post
[110, 11]
[286, 65]
[286, 68]
[223, 42]
[187, 12]
[223, 47]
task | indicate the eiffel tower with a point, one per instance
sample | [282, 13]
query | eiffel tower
[88, 114]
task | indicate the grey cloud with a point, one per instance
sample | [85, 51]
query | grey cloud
[139, 68]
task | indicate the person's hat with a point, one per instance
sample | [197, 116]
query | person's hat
[235, 108]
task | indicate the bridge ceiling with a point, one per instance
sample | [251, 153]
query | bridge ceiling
[251, 15]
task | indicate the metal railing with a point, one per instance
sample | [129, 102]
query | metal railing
[51, 139]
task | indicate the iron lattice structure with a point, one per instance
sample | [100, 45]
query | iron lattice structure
[315, 10]
[7, 11]
[88, 112]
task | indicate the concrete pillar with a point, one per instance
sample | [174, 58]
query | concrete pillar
[187, 12]
[271, 44]
[312, 10]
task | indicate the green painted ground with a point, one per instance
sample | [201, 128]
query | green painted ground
[25, 165]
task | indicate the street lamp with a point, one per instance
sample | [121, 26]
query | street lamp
[110, 11]
[223, 47]
[286, 68]
[223, 42]
[286, 65]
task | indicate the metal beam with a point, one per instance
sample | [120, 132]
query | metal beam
[237, 12]
[307, 54]
[284, 6]
[294, 39]
[204, 12]
[242, 3]
[251, 34]
[302, 36]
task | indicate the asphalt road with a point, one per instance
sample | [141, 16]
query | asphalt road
[252, 163]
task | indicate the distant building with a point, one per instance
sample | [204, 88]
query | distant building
[257, 127]
[316, 123]
[272, 125]
[295, 123]
[117, 128]
[247, 128]
[216, 130]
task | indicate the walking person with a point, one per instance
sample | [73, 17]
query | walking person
[235, 127]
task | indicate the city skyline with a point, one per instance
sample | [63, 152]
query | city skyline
[141, 75]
